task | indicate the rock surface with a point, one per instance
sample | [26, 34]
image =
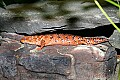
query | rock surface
[52, 16]
[115, 39]
[83, 62]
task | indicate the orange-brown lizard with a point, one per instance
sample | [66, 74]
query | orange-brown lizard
[61, 39]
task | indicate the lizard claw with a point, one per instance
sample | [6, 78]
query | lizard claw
[36, 49]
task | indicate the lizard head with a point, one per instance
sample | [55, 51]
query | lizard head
[27, 39]
[32, 40]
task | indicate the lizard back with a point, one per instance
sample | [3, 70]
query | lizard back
[62, 39]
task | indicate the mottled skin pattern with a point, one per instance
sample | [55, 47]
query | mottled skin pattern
[61, 39]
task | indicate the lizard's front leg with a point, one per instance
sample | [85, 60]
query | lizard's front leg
[38, 48]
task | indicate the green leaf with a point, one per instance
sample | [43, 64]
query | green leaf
[2, 4]
[112, 2]
[106, 15]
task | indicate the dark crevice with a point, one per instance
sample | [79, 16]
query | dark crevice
[106, 31]
[118, 51]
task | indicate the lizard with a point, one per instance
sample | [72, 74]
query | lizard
[61, 39]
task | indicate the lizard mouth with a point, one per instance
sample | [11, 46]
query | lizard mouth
[23, 40]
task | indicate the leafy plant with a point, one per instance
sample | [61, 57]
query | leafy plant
[115, 4]
[2, 4]
[106, 15]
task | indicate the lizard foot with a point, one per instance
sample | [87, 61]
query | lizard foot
[35, 50]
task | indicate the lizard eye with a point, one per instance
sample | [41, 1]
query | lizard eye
[23, 39]
[88, 41]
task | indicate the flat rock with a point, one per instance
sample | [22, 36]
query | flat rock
[8, 67]
[115, 39]
[22, 61]
[50, 16]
